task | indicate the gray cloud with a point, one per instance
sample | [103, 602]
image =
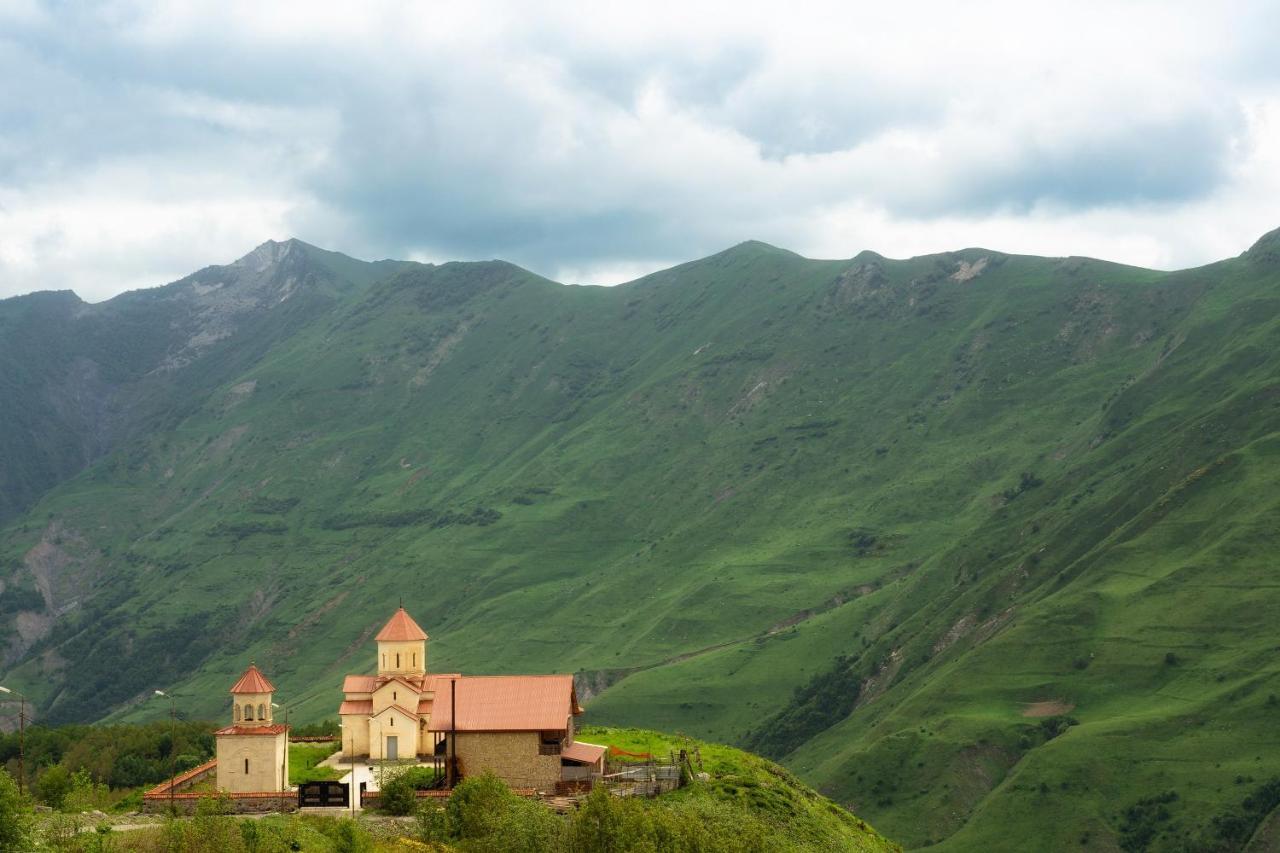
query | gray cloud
[140, 142]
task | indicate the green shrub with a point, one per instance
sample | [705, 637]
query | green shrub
[17, 820]
[53, 785]
[400, 795]
[347, 836]
[484, 814]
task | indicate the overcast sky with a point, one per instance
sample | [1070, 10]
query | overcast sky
[140, 142]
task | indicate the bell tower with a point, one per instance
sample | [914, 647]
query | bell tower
[253, 752]
[402, 646]
[251, 699]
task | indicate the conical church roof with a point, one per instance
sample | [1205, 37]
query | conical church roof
[253, 681]
[400, 628]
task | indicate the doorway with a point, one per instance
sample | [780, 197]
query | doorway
[393, 747]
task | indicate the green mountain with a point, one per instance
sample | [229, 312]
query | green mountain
[979, 544]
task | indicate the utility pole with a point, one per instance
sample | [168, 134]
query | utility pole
[22, 722]
[450, 771]
[173, 748]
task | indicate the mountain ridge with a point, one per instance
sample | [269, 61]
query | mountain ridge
[862, 514]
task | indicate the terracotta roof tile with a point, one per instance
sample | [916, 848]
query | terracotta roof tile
[253, 730]
[506, 703]
[438, 681]
[400, 628]
[359, 683]
[400, 708]
[587, 753]
[413, 684]
[356, 706]
[181, 778]
[253, 681]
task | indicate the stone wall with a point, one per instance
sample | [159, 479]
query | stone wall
[513, 756]
[255, 802]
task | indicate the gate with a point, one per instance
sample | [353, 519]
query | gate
[324, 795]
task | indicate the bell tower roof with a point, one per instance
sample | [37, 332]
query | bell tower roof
[401, 628]
[253, 681]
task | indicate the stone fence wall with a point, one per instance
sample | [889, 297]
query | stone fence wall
[185, 801]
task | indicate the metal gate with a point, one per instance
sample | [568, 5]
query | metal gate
[324, 795]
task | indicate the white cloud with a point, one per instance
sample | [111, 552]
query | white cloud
[593, 142]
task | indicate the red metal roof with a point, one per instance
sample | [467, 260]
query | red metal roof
[587, 753]
[400, 628]
[400, 708]
[181, 778]
[356, 706]
[505, 703]
[359, 683]
[253, 681]
[414, 684]
[253, 730]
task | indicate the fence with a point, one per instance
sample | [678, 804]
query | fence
[177, 793]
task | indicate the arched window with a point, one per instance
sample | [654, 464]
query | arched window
[237, 712]
[248, 712]
[262, 712]
[415, 660]
[397, 660]
[384, 661]
[393, 695]
[392, 722]
[246, 767]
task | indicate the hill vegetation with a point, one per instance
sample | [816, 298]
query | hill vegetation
[981, 545]
[741, 803]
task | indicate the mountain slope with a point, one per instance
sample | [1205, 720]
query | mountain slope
[863, 515]
[81, 378]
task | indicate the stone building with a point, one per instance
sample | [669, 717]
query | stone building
[253, 752]
[517, 726]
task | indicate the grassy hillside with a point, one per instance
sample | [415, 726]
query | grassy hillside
[870, 517]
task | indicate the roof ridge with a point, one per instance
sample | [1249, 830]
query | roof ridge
[253, 681]
[401, 628]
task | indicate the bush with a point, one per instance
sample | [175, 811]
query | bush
[17, 820]
[347, 836]
[400, 795]
[53, 785]
[608, 823]
[484, 814]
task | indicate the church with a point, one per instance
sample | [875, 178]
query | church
[520, 727]
[253, 752]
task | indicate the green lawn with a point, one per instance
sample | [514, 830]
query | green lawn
[303, 761]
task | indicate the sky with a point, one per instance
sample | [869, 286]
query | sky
[593, 143]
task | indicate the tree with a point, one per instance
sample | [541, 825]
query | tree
[17, 818]
[53, 785]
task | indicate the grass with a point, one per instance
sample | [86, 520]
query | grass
[304, 760]
[721, 495]
[757, 786]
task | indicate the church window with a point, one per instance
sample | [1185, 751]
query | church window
[384, 661]
[393, 722]
[393, 696]
[237, 707]
[397, 660]
[248, 712]
[415, 659]
[246, 767]
[262, 712]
